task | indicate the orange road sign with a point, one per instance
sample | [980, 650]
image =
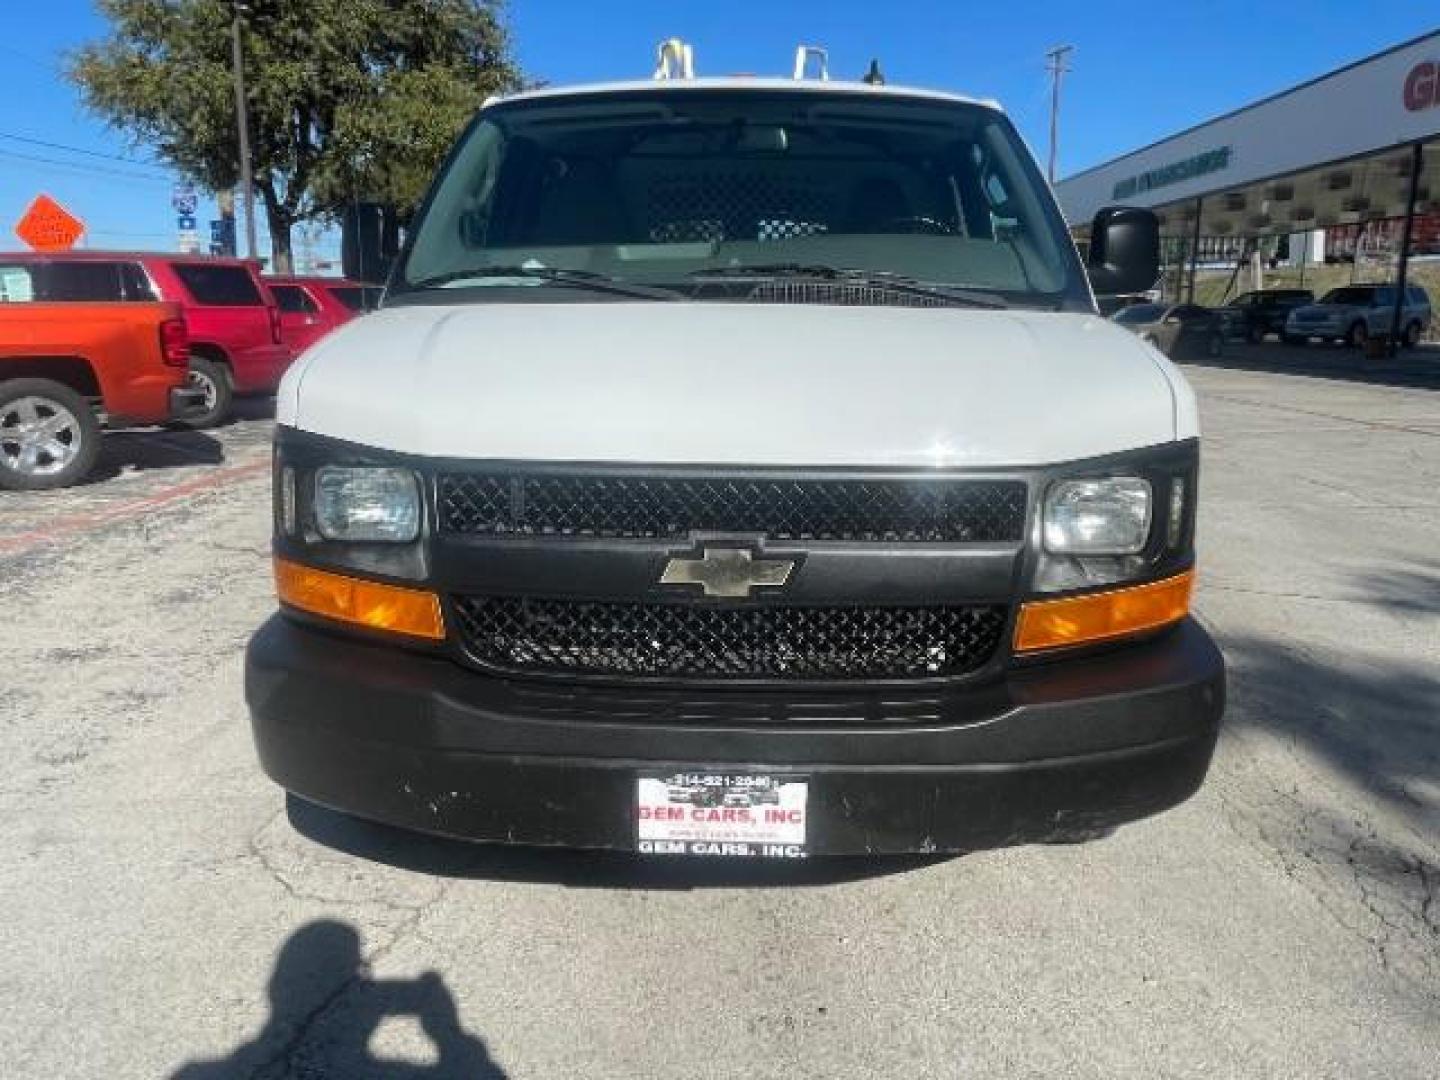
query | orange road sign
[48, 226]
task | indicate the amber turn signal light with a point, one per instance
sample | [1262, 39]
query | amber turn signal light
[1079, 620]
[413, 612]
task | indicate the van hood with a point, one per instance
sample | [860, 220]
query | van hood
[738, 384]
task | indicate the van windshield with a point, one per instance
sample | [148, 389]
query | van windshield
[664, 189]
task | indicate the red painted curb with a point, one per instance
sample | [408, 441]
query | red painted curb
[80, 524]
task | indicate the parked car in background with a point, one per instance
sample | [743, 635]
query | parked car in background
[1264, 311]
[1356, 313]
[69, 369]
[1176, 329]
[234, 325]
[310, 307]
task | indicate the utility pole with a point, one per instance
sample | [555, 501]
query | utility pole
[242, 122]
[1055, 64]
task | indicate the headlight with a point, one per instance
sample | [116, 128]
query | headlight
[367, 504]
[1109, 516]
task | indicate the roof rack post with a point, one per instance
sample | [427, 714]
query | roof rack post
[674, 59]
[803, 55]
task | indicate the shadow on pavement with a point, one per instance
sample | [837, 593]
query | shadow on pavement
[441, 857]
[1414, 591]
[1375, 719]
[1417, 369]
[154, 449]
[324, 1009]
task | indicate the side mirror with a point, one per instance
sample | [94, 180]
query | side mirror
[369, 242]
[1124, 250]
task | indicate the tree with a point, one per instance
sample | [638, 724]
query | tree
[347, 99]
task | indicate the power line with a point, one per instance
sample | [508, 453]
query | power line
[77, 150]
[84, 169]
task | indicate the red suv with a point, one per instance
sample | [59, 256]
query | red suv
[236, 345]
[310, 307]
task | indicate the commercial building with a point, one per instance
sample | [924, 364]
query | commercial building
[1345, 167]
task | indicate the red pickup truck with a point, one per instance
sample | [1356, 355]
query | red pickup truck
[235, 337]
[67, 369]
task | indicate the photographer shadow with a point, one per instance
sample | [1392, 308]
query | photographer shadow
[325, 1008]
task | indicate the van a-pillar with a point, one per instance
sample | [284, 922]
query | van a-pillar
[1417, 161]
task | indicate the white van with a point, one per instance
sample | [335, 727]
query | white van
[740, 434]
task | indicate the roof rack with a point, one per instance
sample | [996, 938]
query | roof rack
[674, 59]
[804, 54]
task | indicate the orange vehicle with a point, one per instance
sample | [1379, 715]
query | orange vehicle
[67, 369]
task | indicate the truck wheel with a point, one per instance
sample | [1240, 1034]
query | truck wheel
[1294, 339]
[1412, 335]
[1357, 335]
[212, 378]
[49, 436]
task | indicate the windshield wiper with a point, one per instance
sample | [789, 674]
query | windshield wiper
[578, 279]
[882, 279]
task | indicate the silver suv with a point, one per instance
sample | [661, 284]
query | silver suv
[1354, 313]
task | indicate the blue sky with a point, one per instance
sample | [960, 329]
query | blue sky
[1140, 71]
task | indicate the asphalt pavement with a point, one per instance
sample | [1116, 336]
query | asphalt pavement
[167, 913]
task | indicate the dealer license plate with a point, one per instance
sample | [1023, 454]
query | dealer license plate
[747, 815]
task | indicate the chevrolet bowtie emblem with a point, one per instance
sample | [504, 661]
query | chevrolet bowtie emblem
[730, 572]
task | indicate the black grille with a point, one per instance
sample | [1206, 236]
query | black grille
[690, 640]
[648, 507]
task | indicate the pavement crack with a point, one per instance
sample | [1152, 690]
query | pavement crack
[259, 855]
[257, 851]
[1374, 425]
[1307, 843]
[1428, 884]
[1275, 594]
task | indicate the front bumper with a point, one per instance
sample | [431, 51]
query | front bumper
[417, 741]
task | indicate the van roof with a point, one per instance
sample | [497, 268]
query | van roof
[745, 82]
